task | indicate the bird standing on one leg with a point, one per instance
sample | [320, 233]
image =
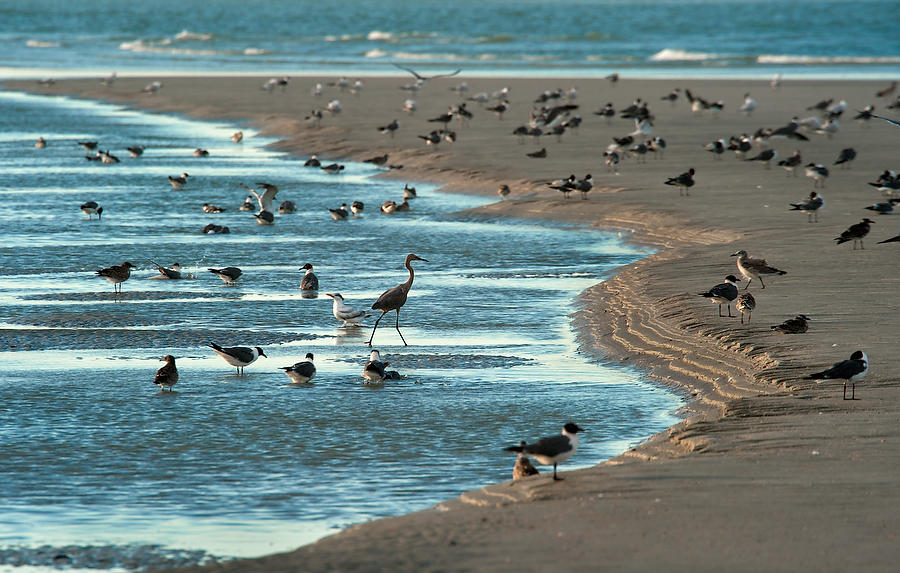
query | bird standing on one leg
[395, 298]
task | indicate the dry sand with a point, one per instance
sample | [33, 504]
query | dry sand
[770, 472]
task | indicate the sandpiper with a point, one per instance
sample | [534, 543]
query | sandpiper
[745, 304]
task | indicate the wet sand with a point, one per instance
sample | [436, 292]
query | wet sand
[770, 471]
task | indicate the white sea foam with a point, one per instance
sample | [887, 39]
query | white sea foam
[187, 35]
[42, 44]
[379, 36]
[824, 60]
[674, 55]
[376, 53]
[254, 51]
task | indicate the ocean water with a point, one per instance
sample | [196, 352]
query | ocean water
[661, 38]
[99, 466]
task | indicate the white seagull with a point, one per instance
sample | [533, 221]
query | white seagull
[348, 315]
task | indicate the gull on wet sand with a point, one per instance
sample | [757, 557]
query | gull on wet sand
[797, 325]
[791, 163]
[766, 156]
[228, 274]
[847, 370]
[552, 450]
[346, 314]
[846, 156]
[856, 233]
[301, 372]
[167, 376]
[723, 293]
[309, 281]
[818, 173]
[238, 356]
[754, 268]
[684, 182]
[811, 206]
[394, 298]
[116, 274]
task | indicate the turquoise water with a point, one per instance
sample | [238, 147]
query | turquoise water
[92, 454]
[485, 37]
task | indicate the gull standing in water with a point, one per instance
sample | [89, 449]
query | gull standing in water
[167, 376]
[116, 274]
[228, 274]
[349, 316]
[552, 450]
[395, 298]
[301, 372]
[92, 208]
[339, 214]
[309, 281]
[373, 371]
[179, 181]
[238, 356]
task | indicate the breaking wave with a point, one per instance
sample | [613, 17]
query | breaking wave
[673, 55]
[824, 60]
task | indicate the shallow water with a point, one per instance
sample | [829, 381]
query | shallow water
[93, 454]
[662, 38]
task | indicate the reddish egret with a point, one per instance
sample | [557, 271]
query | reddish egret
[394, 298]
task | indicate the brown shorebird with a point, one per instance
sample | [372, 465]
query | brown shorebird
[238, 356]
[228, 274]
[395, 298]
[523, 467]
[503, 191]
[116, 274]
[754, 268]
[179, 181]
[797, 325]
[856, 233]
[309, 281]
[746, 303]
[237, 136]
[167, 376]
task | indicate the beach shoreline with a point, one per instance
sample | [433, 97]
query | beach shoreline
[752, 408]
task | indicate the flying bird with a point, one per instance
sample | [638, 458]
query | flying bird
[422, 79]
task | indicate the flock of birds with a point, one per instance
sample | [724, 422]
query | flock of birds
[553, 114]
